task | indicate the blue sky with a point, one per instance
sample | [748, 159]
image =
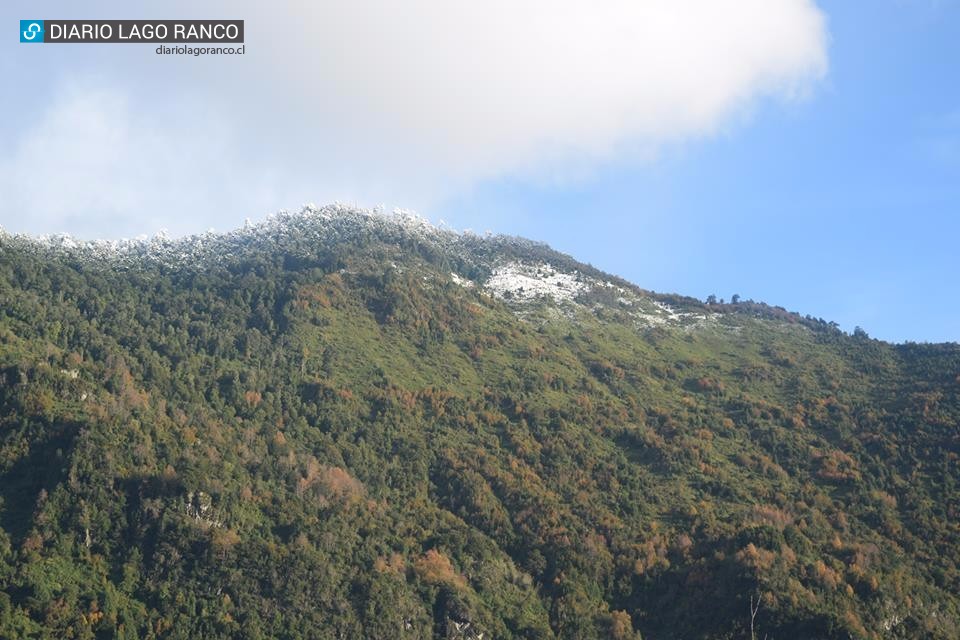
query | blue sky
[845, 205]
[802, 153]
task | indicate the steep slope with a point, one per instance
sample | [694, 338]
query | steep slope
[341, 424]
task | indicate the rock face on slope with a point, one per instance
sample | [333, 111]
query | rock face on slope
[340, 423]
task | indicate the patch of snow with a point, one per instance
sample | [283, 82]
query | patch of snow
[522, 282]
[463, 282]
[671, 313]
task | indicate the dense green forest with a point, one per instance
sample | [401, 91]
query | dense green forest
[329, 426]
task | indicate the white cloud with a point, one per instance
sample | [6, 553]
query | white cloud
[400, 101]
[92, 164]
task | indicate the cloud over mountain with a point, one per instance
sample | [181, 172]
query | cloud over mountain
[403, 102]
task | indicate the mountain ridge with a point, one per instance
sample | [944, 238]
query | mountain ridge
[322, 435]
[339, 223]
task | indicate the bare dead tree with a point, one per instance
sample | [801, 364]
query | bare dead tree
[754, 608]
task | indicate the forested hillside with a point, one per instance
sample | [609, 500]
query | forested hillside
[340, 424]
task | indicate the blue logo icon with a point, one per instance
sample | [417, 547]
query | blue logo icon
[31, 31]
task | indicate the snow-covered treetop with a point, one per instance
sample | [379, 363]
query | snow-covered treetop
[330, 223]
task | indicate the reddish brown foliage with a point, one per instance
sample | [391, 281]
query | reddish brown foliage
[435, 568]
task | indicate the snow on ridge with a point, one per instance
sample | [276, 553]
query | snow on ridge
[661, 314]
[524, 282]
[518, 282]
[334, 220]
